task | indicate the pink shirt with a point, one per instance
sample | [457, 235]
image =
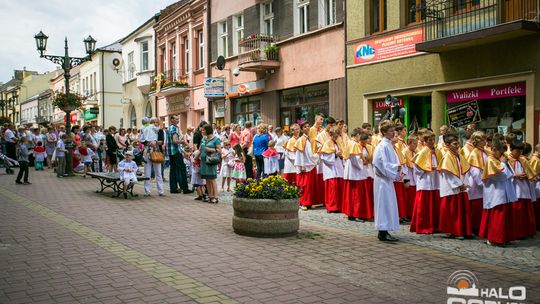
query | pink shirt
[235, 139]
[246, 138]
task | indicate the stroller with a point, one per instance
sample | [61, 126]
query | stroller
[7, 163]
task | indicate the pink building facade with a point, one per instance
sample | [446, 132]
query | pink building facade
[284, 61]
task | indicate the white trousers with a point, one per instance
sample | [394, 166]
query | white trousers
[157, 172]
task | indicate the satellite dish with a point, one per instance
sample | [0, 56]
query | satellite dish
[187, 101]
[220, 62]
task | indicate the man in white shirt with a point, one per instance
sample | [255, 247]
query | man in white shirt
[11, 142]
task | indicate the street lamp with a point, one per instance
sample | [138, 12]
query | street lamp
[67, 64]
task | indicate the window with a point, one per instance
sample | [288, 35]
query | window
[174, 64]
[186, 54]
[91, 88]
[144, 56]
[465, 5]
[267, 18]
[238, 34]
[247, 109]
[301, 25]
[131, 70]
[95, 81]
[200, 57]
[416, 11]
[378, 16]
[222, 39]
[329, 12]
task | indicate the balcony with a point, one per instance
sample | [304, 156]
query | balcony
[169, 83]
[455, 24]
[258, 53]
[144, 80]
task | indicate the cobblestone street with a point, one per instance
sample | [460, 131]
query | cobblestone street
[60, 242]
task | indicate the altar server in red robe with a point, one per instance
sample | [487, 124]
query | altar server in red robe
[331, 157]
[477, 161]
[305, 161]
[409, 152]
[354, 179]
[290, 171]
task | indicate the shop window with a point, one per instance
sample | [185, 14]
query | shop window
[247, 109]
[302, 104]
[416, 11]
[378, 16]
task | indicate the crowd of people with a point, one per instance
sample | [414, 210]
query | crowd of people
[482, 185]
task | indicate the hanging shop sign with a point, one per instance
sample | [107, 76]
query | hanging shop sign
[507, 90]
[464, 114]
[382, 105]
[214, 87]
[248, 88]
[388, 47]
[89, 115]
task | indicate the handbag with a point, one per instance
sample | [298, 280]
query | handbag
[213, 158]
[157, 157]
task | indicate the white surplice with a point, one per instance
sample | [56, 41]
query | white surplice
[332, 165]
[427, 180]
[353, 168]
[306, 158]
[385, 163]
[499, 189]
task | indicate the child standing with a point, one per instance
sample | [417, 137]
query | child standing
[227, 164]
[196, 180]
[271, 159]
[410, 183]
[127, 169]
[39, 155]
[87, 157]
[22, 157]
[239, 169]
[61, 156]
[332, 160]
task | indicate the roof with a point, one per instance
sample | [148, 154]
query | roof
[153, 18]
[113, 47]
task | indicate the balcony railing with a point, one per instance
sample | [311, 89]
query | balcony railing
[175, 78]
[256, 48]
[446, 18]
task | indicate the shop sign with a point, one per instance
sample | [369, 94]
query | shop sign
[388, 47]
[73, 117]
[88, 115]
[247, 88]
[381, 105]
[175, 104]
[464, 114]
[507, 90]
[214, 87]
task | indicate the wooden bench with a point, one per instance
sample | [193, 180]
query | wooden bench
[112, 181]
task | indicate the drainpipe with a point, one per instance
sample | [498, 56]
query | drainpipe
[208, 53]
[102, 89]
[345, 62]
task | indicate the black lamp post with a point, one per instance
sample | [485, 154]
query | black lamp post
[67, 64]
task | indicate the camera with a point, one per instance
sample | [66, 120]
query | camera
[236, 72]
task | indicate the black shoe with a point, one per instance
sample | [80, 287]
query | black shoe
[18, 183]
[176, 191]
[125, 195]
[199, 198]
[187, 191]
[27, 183]
[351, 218]
[384, 236]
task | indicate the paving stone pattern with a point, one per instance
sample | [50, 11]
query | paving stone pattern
[60, 242]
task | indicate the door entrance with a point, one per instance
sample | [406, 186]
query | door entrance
[419, 112]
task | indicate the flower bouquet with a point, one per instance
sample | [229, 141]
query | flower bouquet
[68, 102]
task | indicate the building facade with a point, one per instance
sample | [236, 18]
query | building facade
[31, 87]
[446, 62]
[284, 60]
[181, 63]
[10, 95]
[137, 68]
[101, 83]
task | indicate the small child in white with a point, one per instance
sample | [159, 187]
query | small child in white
[87, 156]
[271, 159]
[128, 171]
[227, 163]
[39, 155]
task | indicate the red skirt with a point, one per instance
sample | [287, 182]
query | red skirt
[411, 195]
[352, 196]
[401, 199]
[477, 206]
[290, 177]
[333, 191]
[497, 226]
[320, 198]
[523, 218]
[536, 207]
[367, 210]
[307, 181]
[456, 215]
[425, 218]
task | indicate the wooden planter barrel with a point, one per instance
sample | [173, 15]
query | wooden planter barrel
[265, 217]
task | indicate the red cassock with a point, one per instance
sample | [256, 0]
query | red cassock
[333, 191]
[523, 218]
[425, 218]
[352, 196]
[477, 206]
[366, 205]
[497, 226]
[307, 181]
[536, 207]
[411, 195]
[290, 177]
[320, 198]
[401, 197]
[456, 215]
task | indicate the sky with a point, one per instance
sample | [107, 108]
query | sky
[106, 20]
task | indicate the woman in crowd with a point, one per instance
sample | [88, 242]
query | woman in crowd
[260, 144]
[210, 144]
[50, 145]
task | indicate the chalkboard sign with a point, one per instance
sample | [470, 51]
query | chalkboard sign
[464, 114]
